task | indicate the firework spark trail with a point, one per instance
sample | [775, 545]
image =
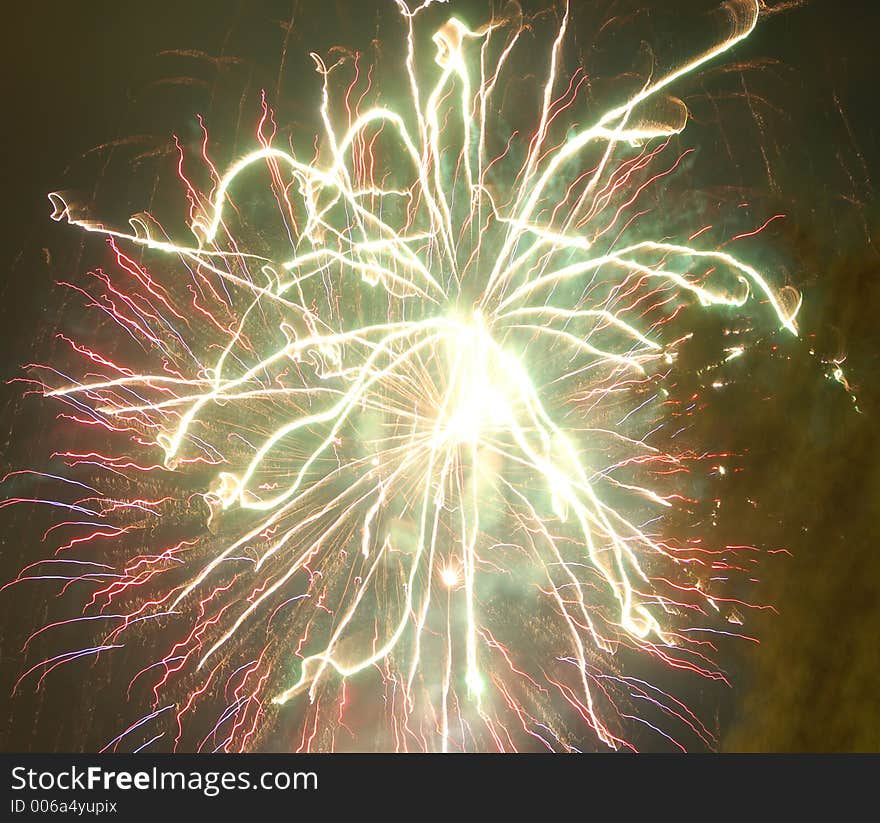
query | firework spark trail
[396, 466]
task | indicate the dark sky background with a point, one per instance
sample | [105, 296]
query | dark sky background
[79, 75]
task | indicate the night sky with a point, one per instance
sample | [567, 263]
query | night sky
[85, 75]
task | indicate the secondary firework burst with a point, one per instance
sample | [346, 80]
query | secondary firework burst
[412, 424]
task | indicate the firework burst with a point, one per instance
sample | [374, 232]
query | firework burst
[417, 425]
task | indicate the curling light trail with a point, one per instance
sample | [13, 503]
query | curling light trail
[407, 416]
